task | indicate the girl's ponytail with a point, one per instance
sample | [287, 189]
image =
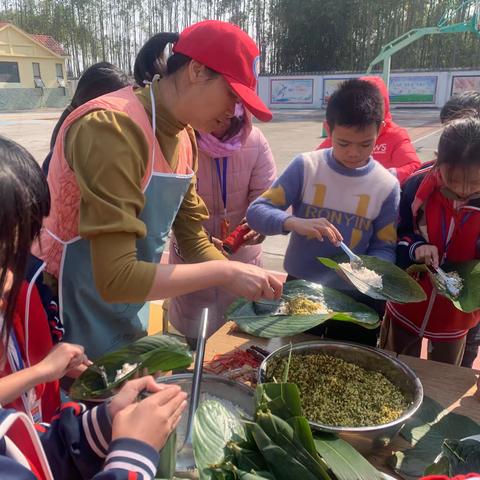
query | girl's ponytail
[151, 59]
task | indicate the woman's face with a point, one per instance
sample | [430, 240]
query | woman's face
[211, 100]
[223, 129]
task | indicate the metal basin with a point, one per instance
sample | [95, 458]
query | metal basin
[364, 439]
[238, 397]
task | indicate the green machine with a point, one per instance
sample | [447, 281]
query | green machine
[445, 25]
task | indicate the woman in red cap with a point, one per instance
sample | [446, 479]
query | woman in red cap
[122, 175]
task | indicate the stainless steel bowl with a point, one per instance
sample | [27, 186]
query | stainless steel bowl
[364, 439]
[237, 394]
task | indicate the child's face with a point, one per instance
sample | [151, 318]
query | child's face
[352, 146]
[464, 183]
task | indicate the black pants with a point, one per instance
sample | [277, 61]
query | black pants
[471, 347]
[350, 332]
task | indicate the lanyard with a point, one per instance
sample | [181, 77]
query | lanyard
[222, 178]
[447, 235]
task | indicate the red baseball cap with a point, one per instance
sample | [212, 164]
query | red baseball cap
[228, 50]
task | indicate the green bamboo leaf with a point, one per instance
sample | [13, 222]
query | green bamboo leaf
[155, 353]
[302, 433]
[280, 462]
[282, 399]
[214, 427]
[343, 460]
[260, 319]
[282, 434]
[469, 299]
[397, 285]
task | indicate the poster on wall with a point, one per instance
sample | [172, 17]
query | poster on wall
[329, 86]
[465, 83]
[291, 91]
[414, 89]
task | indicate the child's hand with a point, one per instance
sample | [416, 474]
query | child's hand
[61, 358]
[427, 254]
[314, 228]
[151, 420]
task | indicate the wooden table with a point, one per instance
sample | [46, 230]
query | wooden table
[453, 387]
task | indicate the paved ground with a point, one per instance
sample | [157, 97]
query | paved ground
[291, 132]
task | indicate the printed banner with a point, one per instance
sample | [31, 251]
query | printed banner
[329, 86]
[291, 91]
[465, 83]
[414, 89]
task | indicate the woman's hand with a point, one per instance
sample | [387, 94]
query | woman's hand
[427, 254]
[62, 358]
[252, 282]
[153, 419]
[313, 228]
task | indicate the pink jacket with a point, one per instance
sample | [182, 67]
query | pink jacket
[251, 171]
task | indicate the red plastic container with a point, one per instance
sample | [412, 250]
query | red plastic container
[235, 240]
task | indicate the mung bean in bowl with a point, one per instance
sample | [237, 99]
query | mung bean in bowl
[362, 394]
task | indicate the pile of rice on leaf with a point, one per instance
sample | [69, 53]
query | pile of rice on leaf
[364, 275]
[339, 393]
[302, 305]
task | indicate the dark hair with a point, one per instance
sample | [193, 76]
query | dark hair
[97, 80]
[459, 145]
[151, 59]
[356, 103]
[466, 104]
[25, 201]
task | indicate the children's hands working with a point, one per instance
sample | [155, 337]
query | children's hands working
[252, 237]
[427, 254]
[151, 420]
[61, 358]
[313, 228]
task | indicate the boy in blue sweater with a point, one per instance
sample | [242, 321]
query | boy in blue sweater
[336, 194]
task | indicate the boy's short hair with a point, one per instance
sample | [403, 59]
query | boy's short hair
[356, 103]
[466, 104]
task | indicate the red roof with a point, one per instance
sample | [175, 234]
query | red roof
[46, 40]
[49, 42]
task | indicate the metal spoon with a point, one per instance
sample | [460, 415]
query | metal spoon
[355, 261]
[185, 458]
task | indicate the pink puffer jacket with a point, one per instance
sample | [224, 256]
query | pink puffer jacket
[251, 171]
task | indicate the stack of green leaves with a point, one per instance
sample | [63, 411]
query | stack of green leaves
[277, 445]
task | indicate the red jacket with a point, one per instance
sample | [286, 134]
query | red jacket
[34, 341]
[394, 149]
[428, 216]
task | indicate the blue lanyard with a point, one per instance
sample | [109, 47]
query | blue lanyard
[222, 178]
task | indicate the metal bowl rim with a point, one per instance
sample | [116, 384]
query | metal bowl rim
[207, 376]
[418, 390]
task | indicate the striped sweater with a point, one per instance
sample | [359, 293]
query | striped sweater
[75, 446]
[362, 203]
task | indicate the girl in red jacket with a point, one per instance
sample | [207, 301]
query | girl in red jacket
[29, 364]
[439, 222]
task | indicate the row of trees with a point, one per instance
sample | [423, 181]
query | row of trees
[293, 35]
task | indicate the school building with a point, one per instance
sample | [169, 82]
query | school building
[32, 70]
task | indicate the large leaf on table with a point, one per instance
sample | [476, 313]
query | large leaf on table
[426, 432]
[213, 428]
[260, 318]
[397, 285]
[469, 299]
[343, 460]
[154, 353]
[458, 457]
